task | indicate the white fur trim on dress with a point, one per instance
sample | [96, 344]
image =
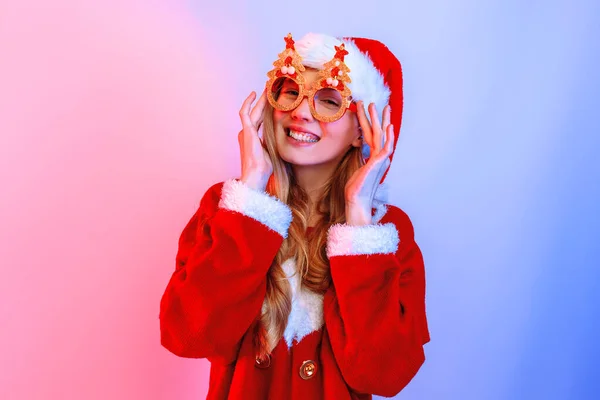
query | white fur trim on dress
[345, 240]
[367, 83]
[259, 205]
[307, 307]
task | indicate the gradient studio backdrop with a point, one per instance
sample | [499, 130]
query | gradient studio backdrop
[116, 116]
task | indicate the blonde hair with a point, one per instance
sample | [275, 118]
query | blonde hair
[309, 252]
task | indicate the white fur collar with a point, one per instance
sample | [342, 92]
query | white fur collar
[306, 315]
[307, 307]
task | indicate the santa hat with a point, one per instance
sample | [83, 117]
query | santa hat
[375, 72]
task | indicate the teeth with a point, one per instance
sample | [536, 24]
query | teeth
[303, 137]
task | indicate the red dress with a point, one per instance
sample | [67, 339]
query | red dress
[364, 336]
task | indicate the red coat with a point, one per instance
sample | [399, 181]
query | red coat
[364, 336]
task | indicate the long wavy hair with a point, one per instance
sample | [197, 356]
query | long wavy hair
[309, 251]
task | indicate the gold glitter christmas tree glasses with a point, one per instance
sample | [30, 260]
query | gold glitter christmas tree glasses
[328, 98]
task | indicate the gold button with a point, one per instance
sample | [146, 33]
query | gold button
[308, 369]
[263, 363]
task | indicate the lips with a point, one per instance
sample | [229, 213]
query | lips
[300, 129]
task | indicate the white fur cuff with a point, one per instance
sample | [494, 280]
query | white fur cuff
[345, 240]
[268, 210]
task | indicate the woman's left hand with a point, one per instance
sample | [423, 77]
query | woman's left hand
[362, 185]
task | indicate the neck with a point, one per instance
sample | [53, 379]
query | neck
[312, 179]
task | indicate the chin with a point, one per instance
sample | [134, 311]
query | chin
[294, 159]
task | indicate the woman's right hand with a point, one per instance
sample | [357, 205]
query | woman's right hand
[256, 164]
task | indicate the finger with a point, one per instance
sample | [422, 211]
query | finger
[247, 102]
[385, 154]
[389, 142]
[388, 130]
[256, 115]
[364, 124]
[376, 127]
[387, 114]
[388, 146]
[245, 110]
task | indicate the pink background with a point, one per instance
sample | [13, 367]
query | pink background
[101, 121]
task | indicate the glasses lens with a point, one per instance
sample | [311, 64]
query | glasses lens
[285, 91]
[328, 102]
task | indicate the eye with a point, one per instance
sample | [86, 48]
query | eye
[329, 98]
[329, 102]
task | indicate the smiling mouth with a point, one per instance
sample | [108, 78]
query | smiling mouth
[302, 136]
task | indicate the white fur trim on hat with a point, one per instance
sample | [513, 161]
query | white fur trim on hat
[268, 210]
[346, 240]
[367, 81]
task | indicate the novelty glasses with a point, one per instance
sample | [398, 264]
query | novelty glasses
[328, 98]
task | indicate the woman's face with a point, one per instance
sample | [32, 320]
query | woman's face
[333, 139]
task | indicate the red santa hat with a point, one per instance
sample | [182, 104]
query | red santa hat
[375, 72]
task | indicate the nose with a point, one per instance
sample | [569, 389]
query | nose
[302, 112]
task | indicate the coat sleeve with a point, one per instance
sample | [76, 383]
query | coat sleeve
[219, 282]
[375, 311]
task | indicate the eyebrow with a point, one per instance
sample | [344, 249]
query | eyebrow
[307, 85]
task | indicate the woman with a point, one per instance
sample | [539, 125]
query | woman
[297, 280]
